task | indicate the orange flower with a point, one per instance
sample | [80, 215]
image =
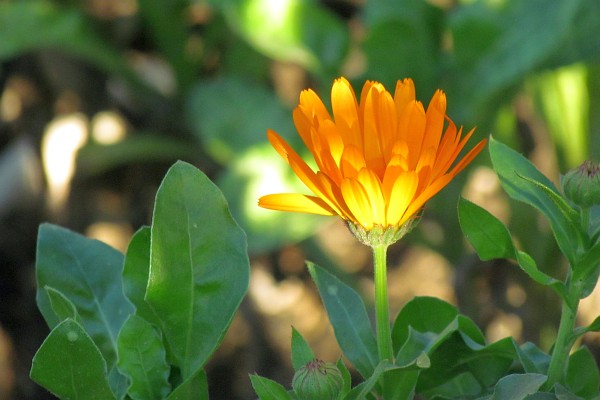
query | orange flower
[379, 159]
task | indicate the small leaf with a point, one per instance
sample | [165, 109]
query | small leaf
[347, 380]
[62, 307]
[142, 357]
[533, 359]
[583, 377]
[199, 268]
[301, 351]
[518, 386]
[348, 315]
[267, 389]
[70, 365]
[195, 387]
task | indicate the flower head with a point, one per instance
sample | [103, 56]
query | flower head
[379, 158]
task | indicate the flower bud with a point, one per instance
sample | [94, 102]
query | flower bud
[318, 380]
[581, 185]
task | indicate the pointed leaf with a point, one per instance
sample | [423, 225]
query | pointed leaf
[518, 386]
[267, 389]
[301, 351]
[199, 268]
[195, 387]
[532, 358]
[88, 273]
[361, 390]
[142, 358]
[135, 274]
[583, 377]
[348, 315]
[62, 307]
[70, 365]
[347, 380]
[516, 174]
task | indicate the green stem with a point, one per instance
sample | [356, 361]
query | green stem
[384, 338]
[564, 338]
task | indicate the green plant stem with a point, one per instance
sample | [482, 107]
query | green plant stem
[565, 337]
[384, 338]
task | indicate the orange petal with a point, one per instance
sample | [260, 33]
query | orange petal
[404, 94]
[401, 195]
[436, 112]
[345, 111]
[352, 161]
[295, 202]
[424, 196]
[411, 128]
[311, 102]
[372, 185]
[358, 202]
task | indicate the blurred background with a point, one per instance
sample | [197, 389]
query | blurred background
[99, 97]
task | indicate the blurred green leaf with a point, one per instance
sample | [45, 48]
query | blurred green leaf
[258, 172]
[94, 158]
[583, 377]
[168, 26]
[491, 240]
[518, 386]
[194, 388]
[533, 359]
[347, 379]
[301, 351]
[463, 385]
[403, 40]
[135, 274]
[348, 316]
[562, 393]
[63, 307]
[199, 269]
[297, 31]
[142, 358]
[38, 25]
[70, 365]
[360, 391]
[88, 273]
[230, 115]
[267, 389]
[516, 174]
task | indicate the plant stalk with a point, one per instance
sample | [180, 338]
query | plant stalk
[564, 338]
[384, 338]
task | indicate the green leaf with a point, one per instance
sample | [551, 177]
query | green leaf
[562, 393]
[305, 33]
[135, 274]
[587, 269]
[227, 132]
[516, 174]
[463, 385]
[199, 269]
[348, 316]
[532, 358]
[361, 390]
[267, 389]
[347, 380]
[301, 351]
[142, 358]
[423, 314]
[518, 386]
[88, 273]
[70, 365]
[583, 377]
[194, 388]
[26, 26]
[61, 305]
[491, 240]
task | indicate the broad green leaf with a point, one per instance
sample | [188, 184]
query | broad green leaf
[518, 386]
[491, 240]
[562, 393]
[199, 269]
[400, 384]
[516, 174]
[70, 365]
[301, 351]
[88, 273]
[135, 274]
[62, 307]
[142, 358]
[423, 314]
[266, 389]
[588, 269]
[583, 377]
[360, 391]
[348, 316]
[194, 388]
[305, 33]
